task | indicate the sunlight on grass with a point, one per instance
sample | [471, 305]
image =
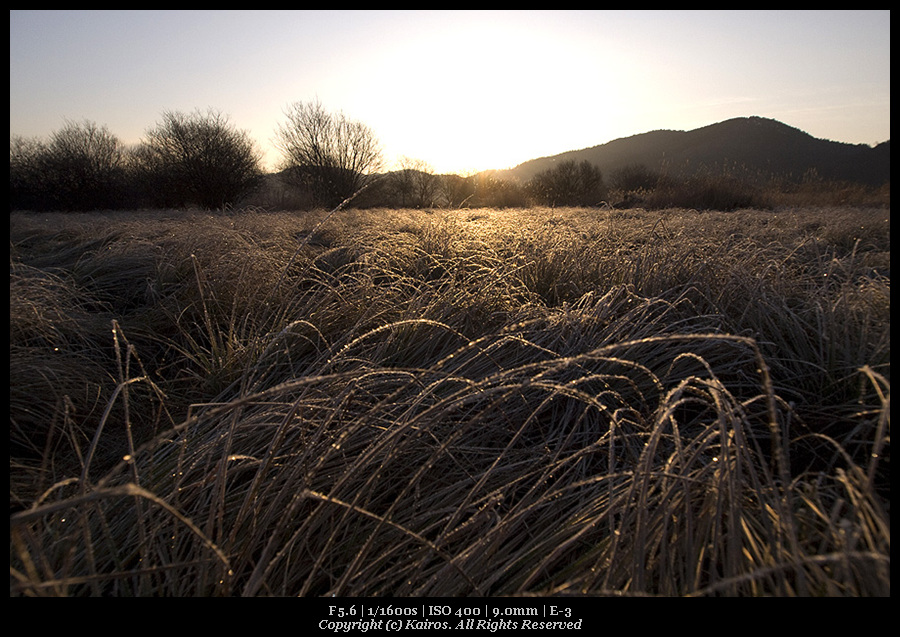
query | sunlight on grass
[450, 403]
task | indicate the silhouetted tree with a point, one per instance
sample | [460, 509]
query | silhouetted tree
[415, 184]
[328, 155]
[81, 167]
[569, 184]
[457, 190]
[199, 159]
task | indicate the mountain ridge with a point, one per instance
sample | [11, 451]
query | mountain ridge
[759, 145]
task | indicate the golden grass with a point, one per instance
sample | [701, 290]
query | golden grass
[450, 403]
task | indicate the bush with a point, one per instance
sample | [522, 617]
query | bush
[633, 178]
[81, 167]
[198, 159]
[569, 184]
[705, 192]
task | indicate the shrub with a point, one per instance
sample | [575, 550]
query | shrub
[705, 192]
[633, 178]
[81, 167]
[198, 159]
[569, 184]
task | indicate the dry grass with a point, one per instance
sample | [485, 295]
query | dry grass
[474, 402]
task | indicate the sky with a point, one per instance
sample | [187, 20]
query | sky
[462, 91]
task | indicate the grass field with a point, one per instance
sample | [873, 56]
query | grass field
[448, 403]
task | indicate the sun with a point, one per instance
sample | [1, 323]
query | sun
[463, 100]
[493, 91]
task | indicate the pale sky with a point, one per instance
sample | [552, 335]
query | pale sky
[460, 90]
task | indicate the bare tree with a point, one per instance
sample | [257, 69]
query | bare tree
[326, 154]
[80, 168]
[457, 190]
[415, 184]
[569, 184]
[201, 159]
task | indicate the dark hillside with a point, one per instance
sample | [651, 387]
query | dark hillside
[760, 145]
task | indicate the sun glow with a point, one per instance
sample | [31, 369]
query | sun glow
[475, 98]
[461, 90]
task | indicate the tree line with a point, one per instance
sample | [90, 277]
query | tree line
[197, 159]
[201, 159]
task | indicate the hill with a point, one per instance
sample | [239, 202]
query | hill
[760, 145]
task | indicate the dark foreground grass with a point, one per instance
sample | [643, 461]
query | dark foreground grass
[477, 402]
